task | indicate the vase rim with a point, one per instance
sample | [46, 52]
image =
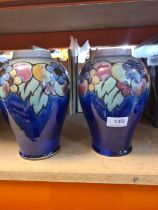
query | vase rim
[113, 52]
[38, 53]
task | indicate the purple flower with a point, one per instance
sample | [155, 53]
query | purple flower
[134, 70]
[84, 75]
[134, 75]
[4, 73]
[50, 90]
[58, 73]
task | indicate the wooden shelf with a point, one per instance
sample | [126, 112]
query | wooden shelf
[78, 17]
[103, 37]
[77, 162]
[51, 24]
[38, 3]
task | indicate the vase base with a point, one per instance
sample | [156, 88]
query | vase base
[38, 157]
[112, 154]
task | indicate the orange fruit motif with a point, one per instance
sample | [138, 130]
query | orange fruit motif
[40, 73]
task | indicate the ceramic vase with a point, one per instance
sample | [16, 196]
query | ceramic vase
[3, 64]
[151, 111]
[113, 90]
[35, 92]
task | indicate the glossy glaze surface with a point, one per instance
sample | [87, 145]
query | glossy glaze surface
[3, 61]
[117, 87]
[35, 92]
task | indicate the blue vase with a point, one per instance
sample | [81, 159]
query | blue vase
[3, 63]
[35, 91]
[113, 90]
[3, 110]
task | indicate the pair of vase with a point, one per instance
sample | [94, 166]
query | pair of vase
[34, 90]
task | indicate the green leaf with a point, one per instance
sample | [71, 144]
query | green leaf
[113, 99]
[38, 100]
[105, 87]
[26, 89]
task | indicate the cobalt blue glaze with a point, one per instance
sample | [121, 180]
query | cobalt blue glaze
[37, 136]
[36, 100]
[3, 63]
[3, 110]
[117, 87]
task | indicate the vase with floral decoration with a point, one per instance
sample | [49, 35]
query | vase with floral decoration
[35, 92]
[113, 90]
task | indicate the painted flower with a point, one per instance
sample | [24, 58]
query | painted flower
[52, 66]
[40, 73]
[50, 90]
[58, 80]
[103, 69]
[85, 73]
[14, 83]
[125, 89]
[132, 64]
[99, 71]
[139, 88]
[136, 75]
[95, 80]
[88, 78]
[23, 70]
[58, 73]
[4, 74]
[33, 82]
[88, 66]
[48, 87]
[9, 81]
[134, 70]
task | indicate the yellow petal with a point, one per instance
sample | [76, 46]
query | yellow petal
[95, 80]
[91, 87]
[13, 73]
[92, 72]
[17, 80]
[13, 88]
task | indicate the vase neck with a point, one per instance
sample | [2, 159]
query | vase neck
[31, 54]
[113, 52]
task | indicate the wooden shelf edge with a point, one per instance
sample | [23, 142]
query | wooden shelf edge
[102, 37]
[15, 4]
[80, 178]
[78, 163]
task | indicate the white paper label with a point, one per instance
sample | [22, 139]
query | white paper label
[152, 61]
[117, 121]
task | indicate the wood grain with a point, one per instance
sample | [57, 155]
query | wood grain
[81, 18]
[77, 162]
[105, 37]
[47, 3]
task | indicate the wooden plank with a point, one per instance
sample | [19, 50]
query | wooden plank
[73, 196]
[103, 37]
[78, 18]
[38, 3]
[77, 162]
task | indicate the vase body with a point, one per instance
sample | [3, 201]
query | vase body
[3, 64]
[113, 91]
[151, 111]
[35, 92]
